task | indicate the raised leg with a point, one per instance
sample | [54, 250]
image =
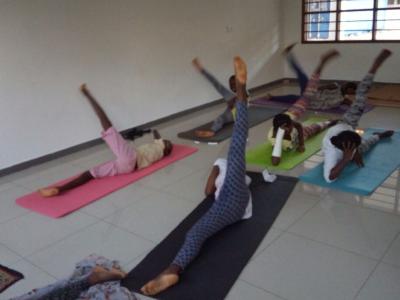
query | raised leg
[354, 113]
[232, 200]
[104, 120]
[300, 106]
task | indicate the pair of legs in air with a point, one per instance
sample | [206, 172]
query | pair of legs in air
[232, 201]
[288, 120]
[227, 117]
[327, 96]
[351, 151]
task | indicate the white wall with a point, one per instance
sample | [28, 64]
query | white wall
[134, 54]
[355, 58]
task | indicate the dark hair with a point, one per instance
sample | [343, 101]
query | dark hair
[281, 119]
[348, 85]
[346, 137]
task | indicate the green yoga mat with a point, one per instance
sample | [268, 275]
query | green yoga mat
[261, 155]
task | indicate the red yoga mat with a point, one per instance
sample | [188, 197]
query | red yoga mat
[72, 200]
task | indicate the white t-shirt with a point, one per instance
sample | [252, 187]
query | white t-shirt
[221, 163]
[332, 154]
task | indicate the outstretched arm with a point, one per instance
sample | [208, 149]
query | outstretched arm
[210, 186]
[221, 89]
[105, 122]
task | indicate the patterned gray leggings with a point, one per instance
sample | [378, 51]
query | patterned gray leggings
[353, 114]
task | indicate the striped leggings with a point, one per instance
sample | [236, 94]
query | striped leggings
[313, 129]
[232, 200]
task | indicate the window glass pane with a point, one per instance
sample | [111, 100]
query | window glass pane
[388, 24]
[320, 5]
[388, 3]
[320, 27]
[356, 4]
[356, 25]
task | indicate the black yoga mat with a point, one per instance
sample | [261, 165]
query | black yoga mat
[257, 115]
[223, 256]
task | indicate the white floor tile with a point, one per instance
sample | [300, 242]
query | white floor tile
[272, 235]
[101, 238]
[8, 208]
[118, 200]
[242, 290]
[153, 217]
[365, 231]
[31, 232]
[383, 284]
[34, 278]
[393, 254]
[7, 256]
[296, 268]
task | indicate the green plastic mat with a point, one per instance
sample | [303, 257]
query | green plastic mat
[261, 155]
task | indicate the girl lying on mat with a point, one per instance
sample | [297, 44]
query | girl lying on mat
[94, 278]
[229, 114]
[342, 144]
[232, 199]
[128, 159]
[287, 133]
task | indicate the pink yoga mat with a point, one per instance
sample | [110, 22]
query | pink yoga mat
[70, 201]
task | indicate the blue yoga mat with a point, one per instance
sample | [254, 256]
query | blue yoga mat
[381, 161]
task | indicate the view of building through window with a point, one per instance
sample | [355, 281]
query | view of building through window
[351, 20]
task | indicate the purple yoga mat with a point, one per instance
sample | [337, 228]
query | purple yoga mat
[263, 101]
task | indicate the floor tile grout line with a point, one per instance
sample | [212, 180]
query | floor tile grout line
[331, 245]
[366, 280]
[269, 244]
[63, 238]
[261, 288]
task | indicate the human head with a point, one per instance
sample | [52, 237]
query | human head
[232, 83]
[349, 88]
[346, 137]
[282, 121]
[167, 147]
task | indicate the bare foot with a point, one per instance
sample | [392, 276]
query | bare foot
[100, 274]
[204, 133]
[196, 63]
[240, 70]
[384, 134]
[329, 55]
[83, 87]
[160, 283]
[49, 192]
[288, 49]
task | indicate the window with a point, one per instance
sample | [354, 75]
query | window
[351, 21]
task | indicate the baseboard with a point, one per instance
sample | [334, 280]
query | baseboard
[86, 145]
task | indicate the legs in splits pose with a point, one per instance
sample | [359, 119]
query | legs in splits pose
[232, 200]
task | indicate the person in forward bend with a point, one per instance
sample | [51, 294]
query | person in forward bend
[287, 133]
[228, 116]
[342, 144]
[128, 158]
[328, 96]
[231, 202]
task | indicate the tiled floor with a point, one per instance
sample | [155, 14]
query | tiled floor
[324, 245]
